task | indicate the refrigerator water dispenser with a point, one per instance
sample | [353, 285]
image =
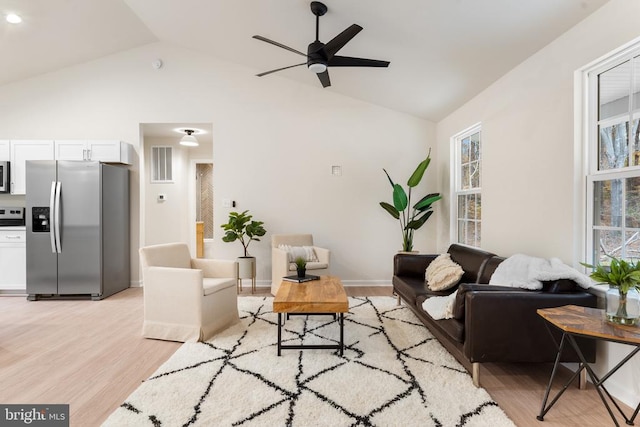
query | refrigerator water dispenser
[40, 219]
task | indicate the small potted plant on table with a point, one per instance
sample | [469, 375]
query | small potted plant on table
[301, 267]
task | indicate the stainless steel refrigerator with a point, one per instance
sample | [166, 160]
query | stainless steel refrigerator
[77, 229]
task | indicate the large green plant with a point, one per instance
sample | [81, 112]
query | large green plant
[241, 227]
[410, 217]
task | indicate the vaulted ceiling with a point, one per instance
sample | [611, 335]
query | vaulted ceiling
[442, 52]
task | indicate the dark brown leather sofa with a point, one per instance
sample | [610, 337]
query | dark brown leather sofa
[491, 323]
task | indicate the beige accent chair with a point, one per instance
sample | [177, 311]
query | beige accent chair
[186, 299]
[280, 264]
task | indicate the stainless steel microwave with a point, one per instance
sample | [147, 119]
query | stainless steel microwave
[4, 177]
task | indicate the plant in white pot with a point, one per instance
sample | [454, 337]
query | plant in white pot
[243, 228]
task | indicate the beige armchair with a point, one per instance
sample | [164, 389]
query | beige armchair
[282, 266]
[186, 299]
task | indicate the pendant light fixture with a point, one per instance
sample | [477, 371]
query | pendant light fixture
[189, 140]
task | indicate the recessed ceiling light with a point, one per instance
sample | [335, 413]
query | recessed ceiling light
[13, 18]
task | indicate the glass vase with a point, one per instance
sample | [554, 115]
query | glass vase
[623, 308]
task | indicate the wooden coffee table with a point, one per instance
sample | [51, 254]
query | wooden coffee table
[324, 296]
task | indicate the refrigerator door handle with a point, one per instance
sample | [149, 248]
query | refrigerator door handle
[56, 214]
[52, 198]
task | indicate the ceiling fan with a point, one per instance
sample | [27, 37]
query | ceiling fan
[320, 55]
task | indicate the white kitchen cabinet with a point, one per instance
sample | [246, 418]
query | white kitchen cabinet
[13, 258]
[21, 151]
[4, 150]
[110, 151]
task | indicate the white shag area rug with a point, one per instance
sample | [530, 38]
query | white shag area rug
[393, 373]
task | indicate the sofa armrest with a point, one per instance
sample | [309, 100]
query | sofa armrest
[504, 326]
[463, 288]
[173, 293]
[216, 267]
[324, 255]
[279, 265]
[411, 265]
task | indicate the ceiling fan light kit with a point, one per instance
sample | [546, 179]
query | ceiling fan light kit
[320, 56]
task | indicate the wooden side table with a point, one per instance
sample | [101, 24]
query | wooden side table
[575, 321]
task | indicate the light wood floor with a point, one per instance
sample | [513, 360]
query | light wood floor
[90, 355]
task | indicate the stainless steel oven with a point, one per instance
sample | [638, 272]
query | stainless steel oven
[12, 217]
[4, 177]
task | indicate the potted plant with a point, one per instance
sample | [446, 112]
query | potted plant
[623, 278]
[242, 227]
[410, 217]
[301, 267]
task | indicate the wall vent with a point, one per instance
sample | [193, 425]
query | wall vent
[161, 164]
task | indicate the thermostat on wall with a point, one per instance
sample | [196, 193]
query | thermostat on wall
[162, 197]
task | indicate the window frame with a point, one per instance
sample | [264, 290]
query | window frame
[590, 142]
[456, 189]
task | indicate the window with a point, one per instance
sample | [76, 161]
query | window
[613, 155]
[161, 164]
[466, 211]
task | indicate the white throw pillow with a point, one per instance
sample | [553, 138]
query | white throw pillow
[305, 252]
[443, 273]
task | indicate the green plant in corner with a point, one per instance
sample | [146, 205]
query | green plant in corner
[410, 217]
[621, 275]
[241, 227]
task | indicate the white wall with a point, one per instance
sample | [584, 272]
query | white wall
[275, 142]
[528, 153]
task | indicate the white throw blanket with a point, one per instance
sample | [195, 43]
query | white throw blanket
[527, 272]
[517, 271]
[440, 307]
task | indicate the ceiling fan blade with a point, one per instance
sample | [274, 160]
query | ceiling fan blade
[279, 69]
[338, 42]
[290, 49]
[324, 78]
[347, 61]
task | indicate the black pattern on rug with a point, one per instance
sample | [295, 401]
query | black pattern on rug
[393, 372]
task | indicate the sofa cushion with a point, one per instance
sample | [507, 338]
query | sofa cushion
[560, 286]
[212, 285]
[310, 266]
[470, 259]
[451, 327]
[305, 252]
[409, 288]
[488, 268]
[442, 273]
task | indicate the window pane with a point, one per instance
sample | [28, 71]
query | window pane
[612, 147]
[464, 151]
[607, 202]
[474, 149]
[607, 242]
[461, 231]
[632, 242]
[465, 177]
[478, 207]
[474, 172]
[632, 213]
[462, 206]
[613, 91]
[471, 233]
[478, 234]
[635, 142]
